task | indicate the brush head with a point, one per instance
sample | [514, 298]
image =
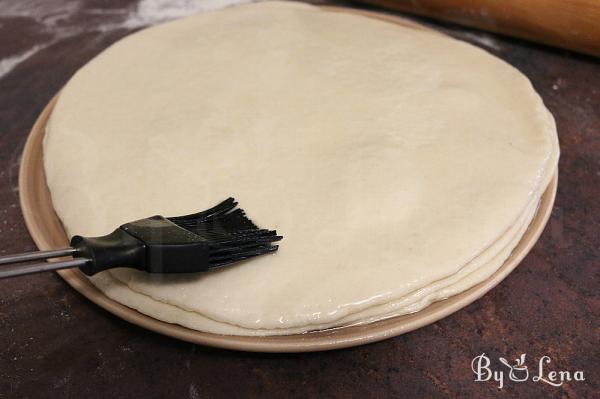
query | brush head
[230, 235]
[202, 241]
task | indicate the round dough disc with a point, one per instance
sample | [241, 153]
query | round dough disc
[388, 157]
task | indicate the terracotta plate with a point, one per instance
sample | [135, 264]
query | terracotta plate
[48, 233]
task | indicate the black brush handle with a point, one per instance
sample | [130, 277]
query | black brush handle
[155, 245]
[115, 249]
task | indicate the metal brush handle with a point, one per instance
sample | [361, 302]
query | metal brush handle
[21, 270]
[37, 255]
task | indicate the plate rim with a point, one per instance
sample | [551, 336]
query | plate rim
[44, 227]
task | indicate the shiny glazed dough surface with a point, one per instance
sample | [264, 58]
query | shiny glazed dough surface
[388, 157]
[114, 284]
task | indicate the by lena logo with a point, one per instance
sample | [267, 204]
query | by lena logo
[519, 372]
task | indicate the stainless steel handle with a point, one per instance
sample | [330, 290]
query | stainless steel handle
[29, 256]
[21, 270]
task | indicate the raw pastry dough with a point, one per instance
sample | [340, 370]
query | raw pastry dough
[401, 166]
[474, 272]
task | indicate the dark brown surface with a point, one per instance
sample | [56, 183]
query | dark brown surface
[55, 344]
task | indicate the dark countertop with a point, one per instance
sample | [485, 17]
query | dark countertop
[56, 344]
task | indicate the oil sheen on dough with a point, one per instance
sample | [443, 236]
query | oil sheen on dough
[476, 271]
[388, 157]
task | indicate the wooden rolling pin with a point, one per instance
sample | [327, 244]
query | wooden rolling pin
[570, 24]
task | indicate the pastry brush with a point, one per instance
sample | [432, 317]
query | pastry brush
[202, 241]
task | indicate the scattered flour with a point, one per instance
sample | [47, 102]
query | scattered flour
[49, 13]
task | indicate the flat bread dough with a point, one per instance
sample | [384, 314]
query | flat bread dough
[115, 285]
[390, 158]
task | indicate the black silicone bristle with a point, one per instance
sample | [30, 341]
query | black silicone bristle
[242, 256]
[231, 235]
[219, 209]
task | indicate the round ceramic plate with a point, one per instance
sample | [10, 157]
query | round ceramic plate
[47, 232]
